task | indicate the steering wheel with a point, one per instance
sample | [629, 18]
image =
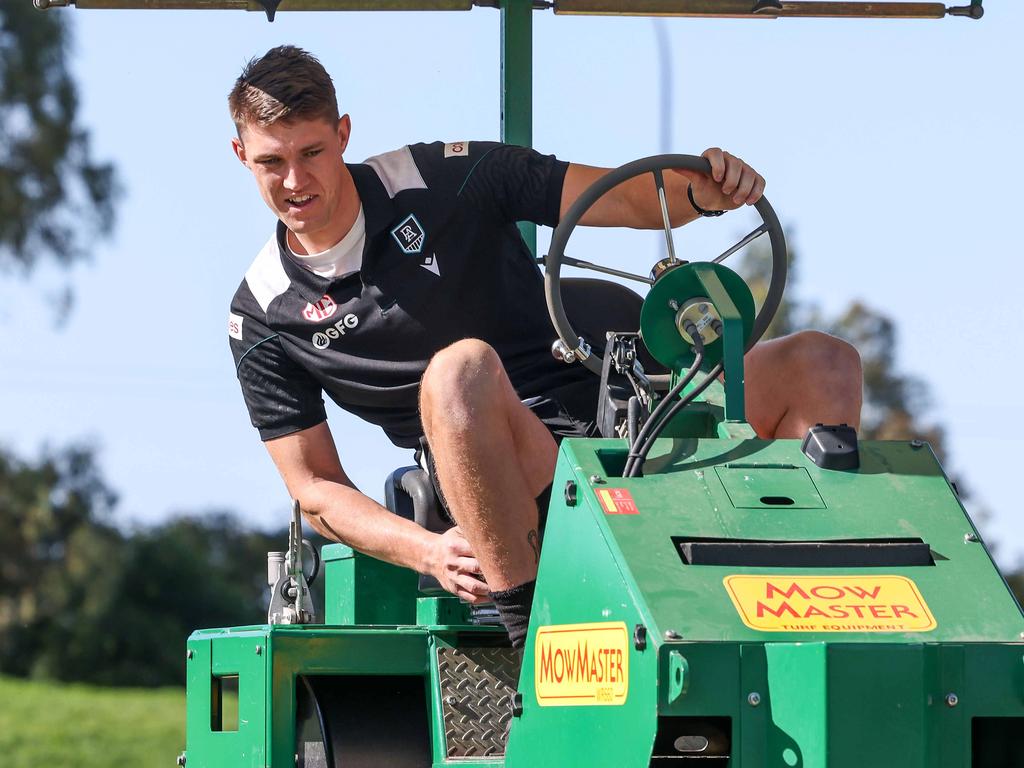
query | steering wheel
[574, 347]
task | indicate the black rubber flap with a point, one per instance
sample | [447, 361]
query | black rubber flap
[849, 553]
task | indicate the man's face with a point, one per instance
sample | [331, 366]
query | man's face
[300, 173]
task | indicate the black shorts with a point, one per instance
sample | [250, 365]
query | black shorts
[566, 412]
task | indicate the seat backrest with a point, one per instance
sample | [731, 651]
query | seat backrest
[595, 307]
[409, 493]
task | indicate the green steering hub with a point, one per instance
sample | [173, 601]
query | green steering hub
[689, 290]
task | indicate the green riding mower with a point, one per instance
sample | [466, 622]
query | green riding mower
[704, 597]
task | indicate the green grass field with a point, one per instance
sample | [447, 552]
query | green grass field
[79, 726]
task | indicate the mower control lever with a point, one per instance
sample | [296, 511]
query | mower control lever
[290, 599]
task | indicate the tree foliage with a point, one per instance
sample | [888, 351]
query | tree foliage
[896, 403]
[54, 198]
[81, 600]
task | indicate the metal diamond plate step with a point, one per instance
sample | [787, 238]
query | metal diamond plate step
[477, 685]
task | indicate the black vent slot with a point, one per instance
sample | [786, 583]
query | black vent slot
[997, 742]
[843, 553]
[703, 741]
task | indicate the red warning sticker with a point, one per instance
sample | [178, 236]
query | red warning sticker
[617, 501]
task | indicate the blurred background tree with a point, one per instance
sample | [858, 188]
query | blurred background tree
[55, 199]
[896, 404]
[81, 600]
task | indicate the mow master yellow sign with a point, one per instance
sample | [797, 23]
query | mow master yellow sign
[829, 603]
[581, 664]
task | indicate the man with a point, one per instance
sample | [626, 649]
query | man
[401, 288]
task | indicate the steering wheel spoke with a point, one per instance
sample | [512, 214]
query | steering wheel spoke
[571, 262]
[740, 244]
[659, 182]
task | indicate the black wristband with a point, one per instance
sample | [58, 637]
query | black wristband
[697, 208]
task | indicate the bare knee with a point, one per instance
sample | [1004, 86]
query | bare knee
[824, 381]
[800, 380]
[818, 358]
[458, 383]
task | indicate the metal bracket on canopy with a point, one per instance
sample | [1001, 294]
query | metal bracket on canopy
[270, 6]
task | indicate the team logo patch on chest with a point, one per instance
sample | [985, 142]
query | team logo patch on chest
[409, 235]
[320, 310]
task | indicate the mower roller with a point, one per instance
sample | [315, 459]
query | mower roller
[704, 597]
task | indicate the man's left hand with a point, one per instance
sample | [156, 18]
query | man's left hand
[732, 182]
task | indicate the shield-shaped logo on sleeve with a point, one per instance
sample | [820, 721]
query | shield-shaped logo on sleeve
[409, 235]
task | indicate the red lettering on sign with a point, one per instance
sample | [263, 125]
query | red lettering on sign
[580, 664]
[827, 593]
[863, 593]
[762, 609]
[794, 589]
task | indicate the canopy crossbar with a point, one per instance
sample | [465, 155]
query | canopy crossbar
[736, 9]
[765, 9]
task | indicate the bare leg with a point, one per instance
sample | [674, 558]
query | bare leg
[797, 381]
[493, 458]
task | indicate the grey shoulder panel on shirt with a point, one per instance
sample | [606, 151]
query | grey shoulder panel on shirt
[397, 171]
[266, 277]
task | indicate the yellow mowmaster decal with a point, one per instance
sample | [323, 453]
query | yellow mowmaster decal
[829, 603]
[581, 664]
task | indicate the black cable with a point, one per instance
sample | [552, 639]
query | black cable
[638, 462]
[632, 418]
[656, 417]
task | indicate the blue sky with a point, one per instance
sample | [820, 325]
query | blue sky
[891, 151]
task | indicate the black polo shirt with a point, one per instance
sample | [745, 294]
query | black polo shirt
[443, 260]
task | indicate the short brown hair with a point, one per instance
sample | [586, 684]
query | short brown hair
[285, 84]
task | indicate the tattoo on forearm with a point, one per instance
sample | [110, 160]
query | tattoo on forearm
[534, 541]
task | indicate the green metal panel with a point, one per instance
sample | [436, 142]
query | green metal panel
[797, 699]
[889, 699]
[898, 492]
[241, 653]
[584, 735]
[878, 707]
[267, 661]
[749, 486]
[735, 333]
[442, 612]
[752, 726]
[363, 590]
[314, 650]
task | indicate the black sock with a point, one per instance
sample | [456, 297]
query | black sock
[514, 608]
